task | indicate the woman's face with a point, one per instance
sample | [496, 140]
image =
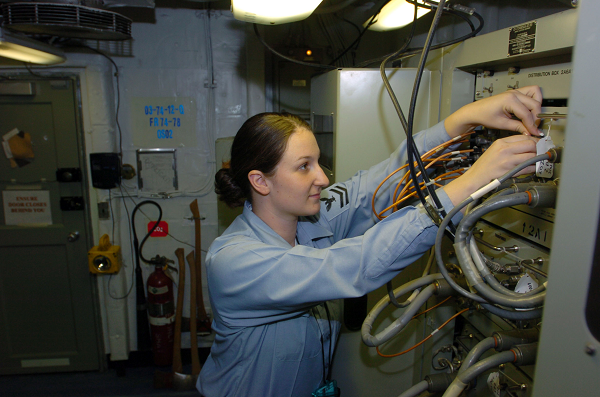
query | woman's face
[298, 180]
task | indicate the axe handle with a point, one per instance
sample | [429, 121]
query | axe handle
[193, 331]
[177, 365]
[198, 262]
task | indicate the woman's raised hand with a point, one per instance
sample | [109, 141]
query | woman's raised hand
[514, 110]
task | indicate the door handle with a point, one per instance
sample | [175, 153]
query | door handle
[73, 236]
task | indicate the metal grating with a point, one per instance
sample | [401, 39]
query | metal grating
[66, 20]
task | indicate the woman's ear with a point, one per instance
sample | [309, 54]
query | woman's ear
[258, 181]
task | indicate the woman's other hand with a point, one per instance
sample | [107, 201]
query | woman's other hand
[502, 156]
[499, 112]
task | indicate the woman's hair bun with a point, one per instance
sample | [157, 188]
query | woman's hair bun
[227, 189]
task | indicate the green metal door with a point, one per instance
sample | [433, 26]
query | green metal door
[48, 311]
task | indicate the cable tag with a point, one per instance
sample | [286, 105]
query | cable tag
[486, 189]
[526, 284]
[433, 213]
[544, 169]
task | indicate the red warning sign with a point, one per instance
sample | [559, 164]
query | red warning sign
[162, 230]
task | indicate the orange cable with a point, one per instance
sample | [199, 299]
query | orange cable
[424, 157]
[424, 340]
[433, 161]
[432, 151]
[413, 193]
[432, 307]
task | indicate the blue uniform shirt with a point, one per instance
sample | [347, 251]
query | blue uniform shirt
[272, 336]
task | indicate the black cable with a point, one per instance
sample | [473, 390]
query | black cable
[139, 254]
[118, 93]
[371, 22]
[413, 51]
[386, 81]
[112, 216]
[333, 7]
[349, 22]
[358, 30]
[313, 65]
[314, 312]
[168, 234]
[327, 33]
[412, 149]
[132, 250]
[326, 376]
[330, 340]
[143, 327]
[31, 71]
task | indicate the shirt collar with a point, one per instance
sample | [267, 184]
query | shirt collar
[308, 229]
[264, 232]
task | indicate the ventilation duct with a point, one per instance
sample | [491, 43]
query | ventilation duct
[68, 20]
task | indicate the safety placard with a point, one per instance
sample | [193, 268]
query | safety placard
[162, 229]
[26, 207]
[521, 39]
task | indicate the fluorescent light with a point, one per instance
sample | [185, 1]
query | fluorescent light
[396, 14]
[22, 48]
[273, 12]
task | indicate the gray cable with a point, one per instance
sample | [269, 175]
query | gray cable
[477, 257]
[399, 324]
[454, 211]
[466, 261]
[476, 352]
[439, 256]
[416, 389]
[408, 301]
[461, 381]
[511, 314]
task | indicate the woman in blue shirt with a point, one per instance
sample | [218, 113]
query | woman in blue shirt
[297, 244]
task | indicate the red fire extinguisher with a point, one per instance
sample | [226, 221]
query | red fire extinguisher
[161, 314]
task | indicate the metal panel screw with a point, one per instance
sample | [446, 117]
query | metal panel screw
[590, 349]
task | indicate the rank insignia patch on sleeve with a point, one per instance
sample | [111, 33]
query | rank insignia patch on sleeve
[337, 197]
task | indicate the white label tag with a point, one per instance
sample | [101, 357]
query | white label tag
[526, 284]
[544, 169]
[493, 382]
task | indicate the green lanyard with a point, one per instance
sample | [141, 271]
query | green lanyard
[326, 377]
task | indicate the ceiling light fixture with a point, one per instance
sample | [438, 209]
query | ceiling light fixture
[273, 12]
[22, 48]
[396, 14]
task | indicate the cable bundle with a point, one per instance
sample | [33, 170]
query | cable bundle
[407, 184]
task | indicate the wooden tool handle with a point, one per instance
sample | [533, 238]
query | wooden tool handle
[193, 333]
[198, 262]
[177, 365]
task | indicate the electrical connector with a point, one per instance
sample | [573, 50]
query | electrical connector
[555, 154]
[505, 340]
[525, 354]
[543, 196]
[461, 8]
[439, 382]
